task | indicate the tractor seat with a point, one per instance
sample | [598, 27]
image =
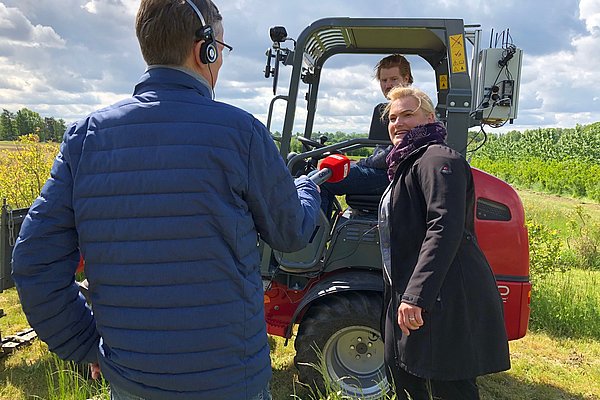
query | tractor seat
[368, 203]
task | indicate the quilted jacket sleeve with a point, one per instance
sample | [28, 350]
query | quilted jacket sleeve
[285, 213]
[45, 258]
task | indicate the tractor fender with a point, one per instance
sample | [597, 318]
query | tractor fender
[337, 283]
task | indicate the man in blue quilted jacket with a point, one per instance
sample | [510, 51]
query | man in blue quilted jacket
[164, 195]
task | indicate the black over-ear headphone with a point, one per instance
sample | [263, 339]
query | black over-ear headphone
[208, 50]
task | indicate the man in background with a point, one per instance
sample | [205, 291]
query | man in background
[369, 175]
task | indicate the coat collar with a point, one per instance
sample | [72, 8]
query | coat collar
[172, 77]
[410, 158]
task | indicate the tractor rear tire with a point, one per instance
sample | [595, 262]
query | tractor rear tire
[345, 330]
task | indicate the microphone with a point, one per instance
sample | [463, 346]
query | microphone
[332, 169]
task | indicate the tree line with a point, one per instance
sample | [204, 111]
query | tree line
[25, 121]
[561, 144]
[555, 160]
[564, 161]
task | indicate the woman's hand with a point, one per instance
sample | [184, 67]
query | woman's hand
[409, 318]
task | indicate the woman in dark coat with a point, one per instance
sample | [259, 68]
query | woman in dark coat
[444, 322]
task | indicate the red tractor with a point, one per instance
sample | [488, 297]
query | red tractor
[332, 289]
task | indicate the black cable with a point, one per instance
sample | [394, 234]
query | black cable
[481, 130]
[494, 84]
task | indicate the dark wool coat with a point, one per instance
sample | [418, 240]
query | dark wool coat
[437, 265]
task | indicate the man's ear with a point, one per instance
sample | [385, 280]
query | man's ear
[196, 53]
[195, 63]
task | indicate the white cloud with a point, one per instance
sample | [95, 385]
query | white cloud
[566, 82]
[111, 7]
[589, 11]
[90, 7]
[93, 62]
[66, 58]
[17, 30]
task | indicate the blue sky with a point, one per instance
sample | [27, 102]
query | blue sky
[65, 58]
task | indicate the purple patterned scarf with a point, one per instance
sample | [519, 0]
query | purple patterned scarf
[418, 136]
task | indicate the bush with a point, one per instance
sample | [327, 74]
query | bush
[544, 250]
[24, 170]
[565, 276]
[584, 240]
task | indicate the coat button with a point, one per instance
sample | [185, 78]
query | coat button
[468, 237]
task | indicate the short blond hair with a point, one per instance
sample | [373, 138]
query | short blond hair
[400, 92]
[166, 29]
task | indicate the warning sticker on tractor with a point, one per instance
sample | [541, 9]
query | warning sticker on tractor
[443, 82]
[457, 53]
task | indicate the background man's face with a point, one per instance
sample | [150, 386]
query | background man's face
[390, 78]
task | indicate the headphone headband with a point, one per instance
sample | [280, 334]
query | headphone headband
[197, 11]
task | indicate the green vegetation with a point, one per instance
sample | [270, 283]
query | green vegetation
[553, 160]
[65, 382]
[567, 304]
[564, 240]
[558, 359]
[24, 168]
[25, 121]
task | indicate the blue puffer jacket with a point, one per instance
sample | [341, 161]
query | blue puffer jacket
[164, 195]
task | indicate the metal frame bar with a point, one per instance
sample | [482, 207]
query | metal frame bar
[330, 36]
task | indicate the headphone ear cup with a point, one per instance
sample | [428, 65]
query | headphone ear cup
[208, 51]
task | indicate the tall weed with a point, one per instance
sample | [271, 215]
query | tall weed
[65, 383]
[567, 304]
[565, 276]
[332, 390]
[584, 239]
[24, 170]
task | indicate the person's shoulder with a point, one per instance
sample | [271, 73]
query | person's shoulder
[443, 151]
[238, 118]
[379, 111]
[442, 157]
[234, 111]
[113, 111]
[380, 107]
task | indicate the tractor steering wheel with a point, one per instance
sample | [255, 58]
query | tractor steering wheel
[309, 142]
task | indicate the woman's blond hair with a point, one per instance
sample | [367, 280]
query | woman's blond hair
[400, 92]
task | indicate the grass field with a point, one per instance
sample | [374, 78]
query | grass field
[550, 363]
[554, 211]
[544, 367]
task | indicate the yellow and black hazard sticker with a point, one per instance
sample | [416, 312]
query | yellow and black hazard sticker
[457, 53]
[443, 82]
